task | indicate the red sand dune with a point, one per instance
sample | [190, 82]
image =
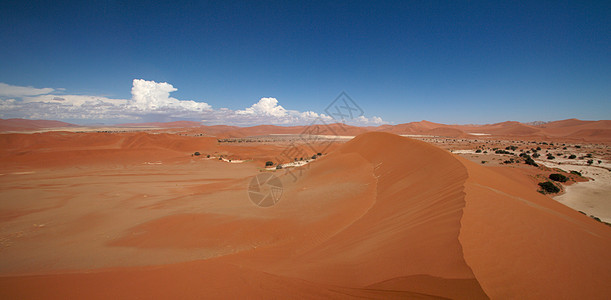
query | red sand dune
[591, 131]
[382, 216]
[23, 124]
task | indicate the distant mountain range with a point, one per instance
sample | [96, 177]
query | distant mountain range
[570, 128]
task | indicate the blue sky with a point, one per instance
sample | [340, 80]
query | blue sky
[443, 61]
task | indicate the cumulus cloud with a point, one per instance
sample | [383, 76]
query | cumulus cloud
[153, 96]
[150, 101]
[265, 107]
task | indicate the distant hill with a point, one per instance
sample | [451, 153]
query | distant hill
[24, 124]
[570, 128]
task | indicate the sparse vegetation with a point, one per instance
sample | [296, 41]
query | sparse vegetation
[530, 161]
[549, 188]
[558, 177]
[502, 152]
[590, 161]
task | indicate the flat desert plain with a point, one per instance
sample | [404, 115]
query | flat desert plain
[139, 214]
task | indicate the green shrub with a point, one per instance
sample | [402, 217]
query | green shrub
[590, 161]
[558, 177]
[269, 163]
[572, 156]
[549, 187]
[197, 154]
[478, 151]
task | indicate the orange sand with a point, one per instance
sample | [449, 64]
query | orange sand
[381, 216]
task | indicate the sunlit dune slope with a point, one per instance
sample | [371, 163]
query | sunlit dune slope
[52, 149]
[382, 216]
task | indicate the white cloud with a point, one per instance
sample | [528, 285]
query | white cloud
[7, 90]
[153, 96]
[265, 107]
[150, 101]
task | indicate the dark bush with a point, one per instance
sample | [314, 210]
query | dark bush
[208, 156]
[197, 154]
[549, 187]
[549, 156]
[530, 161]
[513, 148]
[269, 163]
[502, 152]
[590, 161]
[572, 156]
[478, 151]
[535, 155]
[576, 173]
[558, 177]
[278, 167]
[314, 156]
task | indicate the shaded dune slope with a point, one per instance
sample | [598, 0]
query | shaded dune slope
[382, 216]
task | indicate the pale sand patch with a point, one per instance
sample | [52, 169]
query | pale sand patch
[592, 197]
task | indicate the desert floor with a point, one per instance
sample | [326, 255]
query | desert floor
[136, 214]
